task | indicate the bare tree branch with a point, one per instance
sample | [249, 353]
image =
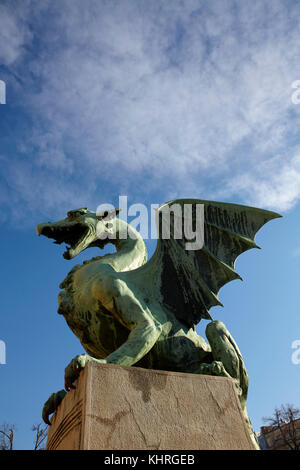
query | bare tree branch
[41, 433]
[285, 420]
[7, 436]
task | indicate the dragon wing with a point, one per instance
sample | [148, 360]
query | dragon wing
[187, 281]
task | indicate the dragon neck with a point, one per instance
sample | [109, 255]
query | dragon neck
[131, 251]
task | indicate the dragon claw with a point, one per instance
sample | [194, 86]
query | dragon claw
[51, 405]
[214, 368]
[72, 371]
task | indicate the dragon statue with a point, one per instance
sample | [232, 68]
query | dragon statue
[128, 311]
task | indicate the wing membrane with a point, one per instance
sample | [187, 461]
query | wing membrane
[187, 282]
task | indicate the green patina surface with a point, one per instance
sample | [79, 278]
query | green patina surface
[128, 311]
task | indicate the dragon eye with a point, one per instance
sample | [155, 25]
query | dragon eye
[76, 213]
[72, 214]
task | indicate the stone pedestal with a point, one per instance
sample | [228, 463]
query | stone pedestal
[115, 407]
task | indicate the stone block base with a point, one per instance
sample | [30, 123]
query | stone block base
[115, 407]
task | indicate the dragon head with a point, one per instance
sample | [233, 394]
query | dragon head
[79, 230]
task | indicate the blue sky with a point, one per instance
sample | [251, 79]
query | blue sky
[157, 101]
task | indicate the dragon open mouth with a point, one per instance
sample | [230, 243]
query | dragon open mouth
[74, 235]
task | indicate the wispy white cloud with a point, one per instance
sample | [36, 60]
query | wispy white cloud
[275, 181]
[172, 96]
[14, 34]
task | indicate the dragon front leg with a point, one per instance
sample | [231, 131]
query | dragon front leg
[124, 306]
